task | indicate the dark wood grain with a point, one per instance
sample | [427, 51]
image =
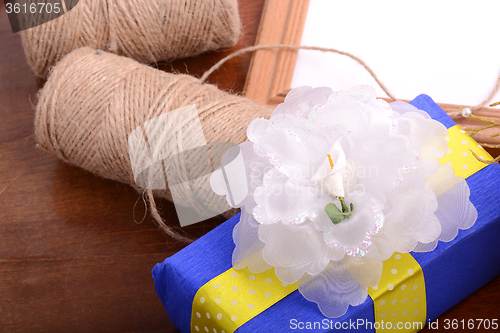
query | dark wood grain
[74, 254]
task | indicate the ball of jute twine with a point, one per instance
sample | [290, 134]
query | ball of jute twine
[145, 30]
[93, 100]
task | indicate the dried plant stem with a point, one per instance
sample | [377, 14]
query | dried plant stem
[493, 161]
[491, 146]
[475, 130]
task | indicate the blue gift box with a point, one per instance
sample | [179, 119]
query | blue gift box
[452, 271]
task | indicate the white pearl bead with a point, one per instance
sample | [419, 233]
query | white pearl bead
[466, 112]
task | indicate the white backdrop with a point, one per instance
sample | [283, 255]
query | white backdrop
[449, 50]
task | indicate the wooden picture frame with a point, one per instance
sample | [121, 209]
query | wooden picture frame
[271, 71]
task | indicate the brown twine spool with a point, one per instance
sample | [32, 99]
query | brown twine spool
[92, 102]
[145, 30]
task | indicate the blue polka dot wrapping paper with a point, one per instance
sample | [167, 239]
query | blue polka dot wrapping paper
[452, 271]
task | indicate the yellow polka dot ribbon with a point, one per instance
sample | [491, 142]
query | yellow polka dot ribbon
[400, 295]
[459, 155]
[234, 297]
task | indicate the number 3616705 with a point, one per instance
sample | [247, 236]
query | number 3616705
[33, 8]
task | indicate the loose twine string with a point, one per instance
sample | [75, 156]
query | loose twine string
[219, 64]
[92, 101]
[455, 115]
[295, 47]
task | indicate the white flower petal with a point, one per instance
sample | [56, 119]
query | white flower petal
[333, 290]
[380, 169]
[248, 250]
[353, 233]
[402, 108]
[367, 271]
[356, 115]
[299, 101]
[409, 219]
[293, 145]
[293, 250]
[255, 168]
[455, 211]
[287, 200]
[430, 146]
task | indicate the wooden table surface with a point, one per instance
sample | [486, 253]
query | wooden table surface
[72, 256]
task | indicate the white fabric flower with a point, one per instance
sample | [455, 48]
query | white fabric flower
[339, 181]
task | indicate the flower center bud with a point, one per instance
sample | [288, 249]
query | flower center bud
[333, 172]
